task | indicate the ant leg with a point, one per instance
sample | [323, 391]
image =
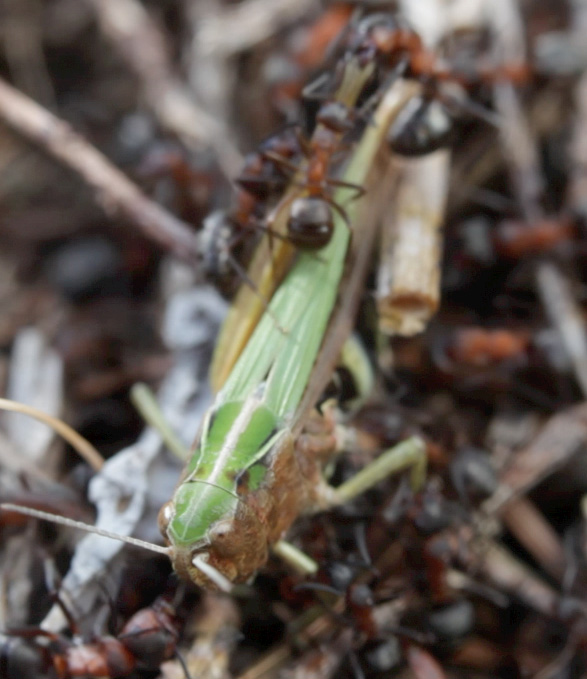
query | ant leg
[52, 583]
[357, 188]
[335, 206]
[182, 662]
[313, 92]
[282, 205]
[366, 111]
[355, 665]
[467, 105]
[269, 231]
[281, 161]
[271, 234]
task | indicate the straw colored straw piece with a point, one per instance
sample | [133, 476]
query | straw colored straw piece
[408, 286]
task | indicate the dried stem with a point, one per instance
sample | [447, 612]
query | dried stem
[85, 449]
[517, 141]
[243, 26]
[561, 437]
[510, 575]
[145, 402]
[577, 188]
[408, 286]
[533, 531]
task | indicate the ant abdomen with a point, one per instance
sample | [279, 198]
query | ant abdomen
[310, 224]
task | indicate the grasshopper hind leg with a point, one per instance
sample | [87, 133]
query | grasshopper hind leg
[409, 454]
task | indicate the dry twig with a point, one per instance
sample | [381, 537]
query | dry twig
[141, 44]
[117, 195]
[243, 26]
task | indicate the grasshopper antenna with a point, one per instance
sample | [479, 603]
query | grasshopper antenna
[70, 523]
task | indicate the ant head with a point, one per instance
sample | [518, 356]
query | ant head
[310, 224]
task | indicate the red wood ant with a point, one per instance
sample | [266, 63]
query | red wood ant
[388, 40]
[480, 347]
[311, 223]
[303, 53]
[147, 639]
[517, 238]
[263, 175]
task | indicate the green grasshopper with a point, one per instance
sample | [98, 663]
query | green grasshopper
[245, 482]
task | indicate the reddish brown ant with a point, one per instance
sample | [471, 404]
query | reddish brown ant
[480, 347]
[147, 639]
[427, 122]
[389, 41]
[311, 223]
[305, 50]
[264, 175]
[517, 238]
[263, 171]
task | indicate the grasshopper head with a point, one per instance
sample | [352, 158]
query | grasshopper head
[235, 546]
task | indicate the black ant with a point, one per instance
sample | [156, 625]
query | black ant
[262, 177]
[426, 124]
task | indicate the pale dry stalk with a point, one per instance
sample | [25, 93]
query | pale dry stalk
[408, 286]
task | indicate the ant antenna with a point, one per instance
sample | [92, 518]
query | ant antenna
[317, 587]
[70, 523]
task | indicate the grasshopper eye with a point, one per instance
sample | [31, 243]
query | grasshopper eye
[165, 514]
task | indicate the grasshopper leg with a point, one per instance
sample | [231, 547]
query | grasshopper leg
[411, 454]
